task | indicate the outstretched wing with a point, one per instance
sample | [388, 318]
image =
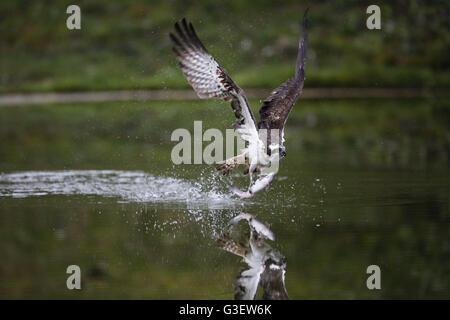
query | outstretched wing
[272, 282]
[246, 283]
[209, 79]
[275, 109]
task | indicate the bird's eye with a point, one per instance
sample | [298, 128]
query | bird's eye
[282, 152]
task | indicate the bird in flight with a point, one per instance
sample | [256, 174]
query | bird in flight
[266, 266]
[265, 138]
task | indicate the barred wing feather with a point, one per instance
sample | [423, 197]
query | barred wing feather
[210, 80]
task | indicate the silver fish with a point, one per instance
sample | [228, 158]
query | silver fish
[262, 182]
[261, 228]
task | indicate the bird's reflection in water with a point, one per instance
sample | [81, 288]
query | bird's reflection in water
[266, 266]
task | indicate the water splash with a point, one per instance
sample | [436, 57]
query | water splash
[127, 186]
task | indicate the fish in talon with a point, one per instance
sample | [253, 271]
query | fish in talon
[261, 183]
[261, 228]
[240, 193]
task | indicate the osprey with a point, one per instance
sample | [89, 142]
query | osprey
[265, 139]
[266, 266]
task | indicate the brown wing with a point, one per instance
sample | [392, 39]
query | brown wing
[272, 282]
[228, 244]
[275, 108]
[209, 79]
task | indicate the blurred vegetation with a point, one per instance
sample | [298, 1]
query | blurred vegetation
[125, 44]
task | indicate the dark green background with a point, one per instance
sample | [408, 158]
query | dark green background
[125, 44]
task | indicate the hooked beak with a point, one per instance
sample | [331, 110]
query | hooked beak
[283, 262]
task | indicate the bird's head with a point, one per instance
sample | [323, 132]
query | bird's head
[282, 151]
[275, 260]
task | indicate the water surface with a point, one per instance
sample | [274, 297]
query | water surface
[364, 183]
